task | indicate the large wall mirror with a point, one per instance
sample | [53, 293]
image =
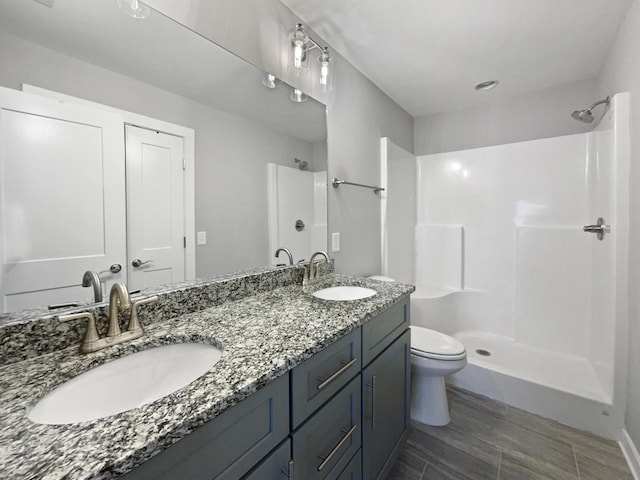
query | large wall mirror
[140, 137]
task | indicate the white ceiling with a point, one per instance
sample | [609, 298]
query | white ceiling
[428, 55]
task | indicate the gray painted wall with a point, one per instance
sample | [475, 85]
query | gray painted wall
[359, 114]
[622, 73]
[539, 114]
[230, 163]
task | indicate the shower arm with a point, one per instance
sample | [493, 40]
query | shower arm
[599, 102]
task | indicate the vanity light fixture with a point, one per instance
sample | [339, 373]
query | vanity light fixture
[298, 96]
[271, 81]
[488, 85]
[301, 46]
[134, 8]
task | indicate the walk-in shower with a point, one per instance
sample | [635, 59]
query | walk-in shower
[493, 238]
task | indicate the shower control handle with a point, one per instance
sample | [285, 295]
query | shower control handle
[600, 228]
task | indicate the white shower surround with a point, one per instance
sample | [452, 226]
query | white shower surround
[548, 300]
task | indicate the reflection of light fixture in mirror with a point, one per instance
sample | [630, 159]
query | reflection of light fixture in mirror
[326, 70]
[301, 45]
[298, 58]
[134, 8]
[271, 81]
[298, 96]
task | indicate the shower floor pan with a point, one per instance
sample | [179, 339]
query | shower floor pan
[558, 386]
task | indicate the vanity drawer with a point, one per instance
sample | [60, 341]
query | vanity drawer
[320, 377]
[380, 332]
[353, 470]
[275, 467]
[229, 445]
[330, 439]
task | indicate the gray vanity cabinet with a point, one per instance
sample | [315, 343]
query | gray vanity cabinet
[385, 404]
[228, 446]
[340, 415]
[328, 441]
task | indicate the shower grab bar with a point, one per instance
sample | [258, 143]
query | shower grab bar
[336, 183]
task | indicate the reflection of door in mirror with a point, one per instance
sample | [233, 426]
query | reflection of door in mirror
[155, 208]
[297, 211]
[62, 202]
[73, 214]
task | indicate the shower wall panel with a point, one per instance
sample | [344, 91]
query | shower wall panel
[494, 191]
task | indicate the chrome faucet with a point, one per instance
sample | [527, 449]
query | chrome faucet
[287, 251]
[118, 299]
[91, 278]
[312, 273]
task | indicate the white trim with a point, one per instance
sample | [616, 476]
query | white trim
[384, 158]
[272, 195]
[630, 452]
[149, 123]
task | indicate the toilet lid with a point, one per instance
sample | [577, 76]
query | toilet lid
[427, 342]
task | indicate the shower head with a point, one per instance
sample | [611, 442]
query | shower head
[583, 116]
[586, 115]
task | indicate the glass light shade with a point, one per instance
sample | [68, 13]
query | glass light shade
[271, 81]
[299, 52]
[134, 8]
[298, 96]
[325, 81]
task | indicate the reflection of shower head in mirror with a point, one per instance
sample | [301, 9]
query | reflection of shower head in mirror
[302, 164]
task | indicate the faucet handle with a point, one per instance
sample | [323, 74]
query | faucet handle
[91, 334]
[134, 323]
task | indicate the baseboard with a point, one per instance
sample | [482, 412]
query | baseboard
[630, 453]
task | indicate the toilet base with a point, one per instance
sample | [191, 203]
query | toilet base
[429, 403]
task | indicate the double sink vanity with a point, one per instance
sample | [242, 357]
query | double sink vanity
[247, 376]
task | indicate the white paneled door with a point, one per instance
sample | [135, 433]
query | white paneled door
[155, 207]
[62, 199]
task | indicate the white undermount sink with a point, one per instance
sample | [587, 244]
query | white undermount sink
[126, 383]
[344, 293]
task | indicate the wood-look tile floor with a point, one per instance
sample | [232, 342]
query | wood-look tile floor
[488, 440]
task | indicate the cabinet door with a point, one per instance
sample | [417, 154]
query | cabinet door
[328, 440]
[385, 392]
[379, 332]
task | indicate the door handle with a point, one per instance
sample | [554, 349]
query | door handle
[138, 263]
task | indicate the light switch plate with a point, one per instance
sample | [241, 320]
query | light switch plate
[335, 242]
[202, 238]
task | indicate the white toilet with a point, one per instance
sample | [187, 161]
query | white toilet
[433, 356]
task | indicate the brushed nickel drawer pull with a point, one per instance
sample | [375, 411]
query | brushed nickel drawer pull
[289, 471]
[372, 384]
[336, 448]
[342, 369]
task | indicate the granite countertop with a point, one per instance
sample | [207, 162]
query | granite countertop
[262, 336]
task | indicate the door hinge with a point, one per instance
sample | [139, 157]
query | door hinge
[184, 163]
[184, 241]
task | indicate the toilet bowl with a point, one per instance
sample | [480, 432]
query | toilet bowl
[433, 356]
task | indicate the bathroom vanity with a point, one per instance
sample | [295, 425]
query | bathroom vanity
[306, 389]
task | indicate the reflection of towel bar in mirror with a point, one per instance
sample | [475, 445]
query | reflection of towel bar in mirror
[336, 183]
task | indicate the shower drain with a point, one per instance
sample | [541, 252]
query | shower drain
[483, 352]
